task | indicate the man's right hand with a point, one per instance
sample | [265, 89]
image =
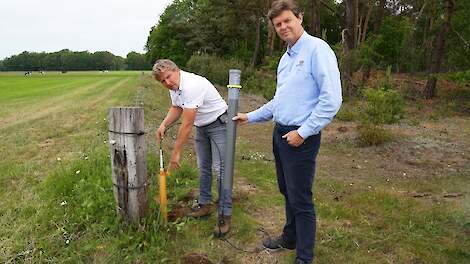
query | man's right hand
[161, 132]
[241, 118]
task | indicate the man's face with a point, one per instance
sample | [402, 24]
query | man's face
[170, 79]
[288, 26]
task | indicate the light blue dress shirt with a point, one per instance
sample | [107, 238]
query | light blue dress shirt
[308, 92]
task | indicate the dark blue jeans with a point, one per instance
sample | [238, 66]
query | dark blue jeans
[295, 169]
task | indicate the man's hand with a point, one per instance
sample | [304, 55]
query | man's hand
[161, 132]
[241, 118]
[175, 161]
[293, 138]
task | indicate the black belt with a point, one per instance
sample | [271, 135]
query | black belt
[287, 127]
[221, 118]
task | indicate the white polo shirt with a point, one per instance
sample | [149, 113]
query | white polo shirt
[197, 92]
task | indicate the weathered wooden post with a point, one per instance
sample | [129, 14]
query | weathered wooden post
[128, 160]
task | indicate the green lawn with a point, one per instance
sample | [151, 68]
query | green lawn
[406, 201]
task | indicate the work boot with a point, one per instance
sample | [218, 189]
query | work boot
[201, 210]
[277, 243]
[222, 226]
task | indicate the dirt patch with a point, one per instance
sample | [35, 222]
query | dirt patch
[422, 151]
[46, 143]
[242, 189]
[263, 257]
[178, 210]
[196, 258]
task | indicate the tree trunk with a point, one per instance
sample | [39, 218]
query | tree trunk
[380, 16]
[254, 59]
[345, 67]
[428, 44]
[271, 39]
[359, 30]
[315, 18]
[366, 22]
[438, 53]
[351, 24]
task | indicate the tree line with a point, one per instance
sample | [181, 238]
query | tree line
[410, 36]
[66, 60]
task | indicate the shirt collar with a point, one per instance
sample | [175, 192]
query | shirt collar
[181, 86]
[297, 46]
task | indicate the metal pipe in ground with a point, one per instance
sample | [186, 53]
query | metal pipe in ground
[233, 95]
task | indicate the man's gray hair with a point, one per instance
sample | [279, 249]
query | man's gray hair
[163, 65]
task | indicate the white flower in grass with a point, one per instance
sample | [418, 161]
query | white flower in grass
[77, 172]
[67, 241]
[63, 203]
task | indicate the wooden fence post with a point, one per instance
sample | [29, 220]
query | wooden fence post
[129, 161]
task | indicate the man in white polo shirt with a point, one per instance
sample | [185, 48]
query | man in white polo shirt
[199, 103]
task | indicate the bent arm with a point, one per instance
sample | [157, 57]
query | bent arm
[173, 114]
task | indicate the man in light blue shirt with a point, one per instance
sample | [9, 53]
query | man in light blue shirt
[308, 96]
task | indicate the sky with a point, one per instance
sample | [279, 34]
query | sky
[117, 26]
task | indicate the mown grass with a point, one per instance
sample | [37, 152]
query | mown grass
[63, 211]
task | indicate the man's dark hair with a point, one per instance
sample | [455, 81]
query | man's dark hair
[278, 6]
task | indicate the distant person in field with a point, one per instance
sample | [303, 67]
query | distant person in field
[308, 96]
[199, 103]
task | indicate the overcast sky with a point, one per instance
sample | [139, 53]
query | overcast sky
[117, 26]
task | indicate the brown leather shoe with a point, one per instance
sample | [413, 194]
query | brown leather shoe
[201, 210]
[222, 226]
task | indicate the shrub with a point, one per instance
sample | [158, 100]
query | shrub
[213, 68]
[216, 69]
[382, 106]
[261, 83]
[461, 78]
[348, 111]
[370, 134]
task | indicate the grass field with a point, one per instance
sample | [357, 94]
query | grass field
[406, 201]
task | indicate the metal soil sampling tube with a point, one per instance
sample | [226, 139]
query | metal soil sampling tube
[233, 94]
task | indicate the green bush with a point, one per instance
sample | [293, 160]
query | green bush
[391, 40]
[261, 83]
[346, 114]
[214, 68]
[382, 106]
[348, 111]
[371, 135]
[461, 78]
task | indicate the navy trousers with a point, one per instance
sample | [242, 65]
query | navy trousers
[295, 169]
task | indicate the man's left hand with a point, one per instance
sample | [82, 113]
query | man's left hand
[293, 138]
[175, 161]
